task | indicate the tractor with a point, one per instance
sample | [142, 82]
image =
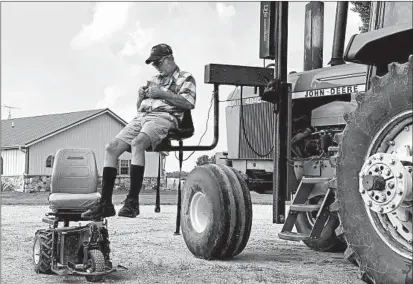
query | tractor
[341, 147]
[320, 98]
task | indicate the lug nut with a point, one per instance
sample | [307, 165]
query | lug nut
[363, 191]
[381, 157]
[361, 175]
[388, 172]
[391, 185]
[393, 205]
[395, 227]
[381, 209]
[370, 203]
[392, 143]
[371, 193]
[370, 162]
[399, 175]
[409, 241]
[376, 169]
[393, 161]
[400, 192]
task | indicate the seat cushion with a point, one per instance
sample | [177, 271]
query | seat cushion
[72, 201]
[180, 133]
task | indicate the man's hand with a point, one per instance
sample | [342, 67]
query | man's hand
[142, 92]
[155, 93]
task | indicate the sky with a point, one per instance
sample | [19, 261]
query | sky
[61, 57]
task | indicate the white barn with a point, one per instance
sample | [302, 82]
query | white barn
[29, 144]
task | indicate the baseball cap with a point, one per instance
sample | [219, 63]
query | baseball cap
[159, 51]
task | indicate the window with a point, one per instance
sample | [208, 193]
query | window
[49, 161]
[124, 167]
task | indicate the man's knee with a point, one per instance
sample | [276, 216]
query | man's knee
[141, 142]
[112, 146]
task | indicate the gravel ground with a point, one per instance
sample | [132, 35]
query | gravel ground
[147, 246]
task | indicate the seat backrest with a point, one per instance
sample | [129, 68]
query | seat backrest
[74, 171]
[185, 128]
[187, 122]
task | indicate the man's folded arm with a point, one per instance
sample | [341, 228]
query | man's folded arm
[186, 96]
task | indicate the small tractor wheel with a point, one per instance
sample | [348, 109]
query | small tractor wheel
[374, 178]
[42, 251]
[328, 240]
[95, 263]
[216, 212]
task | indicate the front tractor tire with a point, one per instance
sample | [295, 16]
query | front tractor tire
[216, 212]
[95, 263]
[42, 251]
[374, 178]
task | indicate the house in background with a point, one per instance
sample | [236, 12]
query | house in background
[28, 146]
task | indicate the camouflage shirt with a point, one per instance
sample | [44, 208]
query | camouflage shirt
[181, 83]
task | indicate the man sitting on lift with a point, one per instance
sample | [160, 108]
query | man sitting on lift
[161, 104]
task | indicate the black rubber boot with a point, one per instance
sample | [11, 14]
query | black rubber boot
[104, 207]
[130, 209]
[101, 209]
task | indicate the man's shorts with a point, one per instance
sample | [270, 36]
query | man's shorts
[155, 125]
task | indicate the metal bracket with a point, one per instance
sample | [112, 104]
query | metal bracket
[237, 75]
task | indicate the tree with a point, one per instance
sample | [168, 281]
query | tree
[212, 159]
[363, 9]
[204, 160]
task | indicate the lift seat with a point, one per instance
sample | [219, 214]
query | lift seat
[185, 130]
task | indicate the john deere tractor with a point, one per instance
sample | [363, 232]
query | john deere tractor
[350, 174]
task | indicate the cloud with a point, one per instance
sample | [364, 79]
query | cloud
[138, 39]
[135, 70]
[172, 6]
[109, 17]
[112, 93]
[225, 11]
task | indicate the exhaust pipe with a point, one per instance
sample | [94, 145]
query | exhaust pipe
[313, 35]
[339, 34]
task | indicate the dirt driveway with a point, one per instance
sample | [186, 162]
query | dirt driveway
[147, 246]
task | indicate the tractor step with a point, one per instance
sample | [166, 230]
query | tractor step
[292, 236]
[299, 205]
[305, 207]
[314, 180]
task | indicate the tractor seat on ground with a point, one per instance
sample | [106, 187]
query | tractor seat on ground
[74, 181]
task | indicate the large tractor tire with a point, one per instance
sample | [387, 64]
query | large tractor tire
[328, 240]
[216, 212]
[374, 178]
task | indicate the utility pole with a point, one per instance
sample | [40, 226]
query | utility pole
[10, 107]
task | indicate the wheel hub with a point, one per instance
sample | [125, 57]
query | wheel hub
[199, 212]
[389, 206]
[385, 184]
[36, 252]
